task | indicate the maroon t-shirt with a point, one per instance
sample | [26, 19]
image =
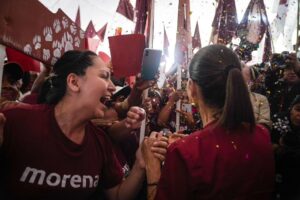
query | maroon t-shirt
[40, 162]
[31, 98]
[212, 164]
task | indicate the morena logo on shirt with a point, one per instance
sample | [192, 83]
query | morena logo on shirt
[53, 179]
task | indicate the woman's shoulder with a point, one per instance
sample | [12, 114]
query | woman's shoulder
[263, 132]
[190, 144]
[24, 107]
[259, 96]
[15, 111]
[202, 138]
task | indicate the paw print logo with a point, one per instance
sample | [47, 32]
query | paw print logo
[46, 54]
[68, 41]
[65, 22]
[81, 34]
[37, 42]
[73, 29]
[76, 41]
[56, 26]
[56, 45]
[27, 49]
[48, 34]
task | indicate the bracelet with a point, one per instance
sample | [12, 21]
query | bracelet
[152, 184]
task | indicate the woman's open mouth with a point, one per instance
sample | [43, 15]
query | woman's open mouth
[106, 100]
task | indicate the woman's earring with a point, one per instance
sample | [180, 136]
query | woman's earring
[194, 102]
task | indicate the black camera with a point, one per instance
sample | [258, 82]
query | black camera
[279, 60]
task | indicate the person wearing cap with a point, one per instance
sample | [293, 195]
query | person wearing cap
[11, 82]
[286, 142]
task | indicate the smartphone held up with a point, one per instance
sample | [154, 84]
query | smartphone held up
[150, 63]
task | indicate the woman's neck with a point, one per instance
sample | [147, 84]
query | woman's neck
[69, 122]
[207, 114]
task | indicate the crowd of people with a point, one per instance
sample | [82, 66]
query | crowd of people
[67, 133]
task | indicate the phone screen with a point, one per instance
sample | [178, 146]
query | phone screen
[186, 107]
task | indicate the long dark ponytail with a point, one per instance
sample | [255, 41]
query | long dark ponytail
[217, 70]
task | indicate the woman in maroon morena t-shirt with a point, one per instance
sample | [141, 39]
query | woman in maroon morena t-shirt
[231, 158]
[53, 151]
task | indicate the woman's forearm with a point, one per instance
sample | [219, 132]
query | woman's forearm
[132, 184]
[164, 114]
[153, 175]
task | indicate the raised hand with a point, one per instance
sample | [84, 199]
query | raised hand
[134, 118]
[141, 84]
[159, 147]
[188, 117]
[175, 96]
[154, 149]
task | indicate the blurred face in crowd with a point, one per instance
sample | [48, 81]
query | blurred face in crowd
[295, 115]
[290, 76]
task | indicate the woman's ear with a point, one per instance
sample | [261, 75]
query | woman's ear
[72, 82]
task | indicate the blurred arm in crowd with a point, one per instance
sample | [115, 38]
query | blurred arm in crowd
[38, 82]
[135, 96]
[164, 114]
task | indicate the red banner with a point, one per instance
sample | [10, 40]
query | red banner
[126, 9]
[31, 28]
[126, 54]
